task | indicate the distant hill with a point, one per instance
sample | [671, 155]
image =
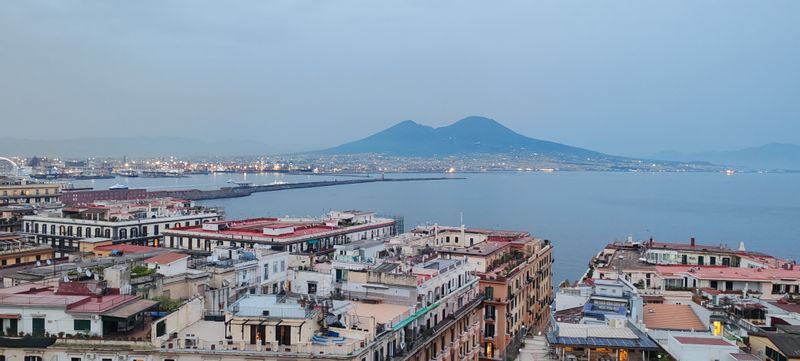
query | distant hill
[768, 156]
[472, 135]
[156, 146]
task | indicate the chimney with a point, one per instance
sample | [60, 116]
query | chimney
[691, 242]
[651, 242]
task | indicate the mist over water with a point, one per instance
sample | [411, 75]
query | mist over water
[579, 211]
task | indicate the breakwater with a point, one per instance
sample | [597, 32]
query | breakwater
[244, 191]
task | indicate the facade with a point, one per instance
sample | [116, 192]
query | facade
[289, 234]
[74, 198]
[21, 191]
[86, 307]
[135, 222]
[515, 280]
[15, 251]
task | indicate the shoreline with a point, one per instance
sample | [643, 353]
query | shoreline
[236, 192]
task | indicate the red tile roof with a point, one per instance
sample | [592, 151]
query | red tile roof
[166, 258]
[672, 317]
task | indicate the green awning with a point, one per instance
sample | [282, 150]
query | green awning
[313, 241]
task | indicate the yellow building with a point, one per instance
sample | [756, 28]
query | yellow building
[16, 191]
[776, 346]
[15, 251]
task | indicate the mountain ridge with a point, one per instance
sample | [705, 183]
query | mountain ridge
[768, 156]
[470, 135]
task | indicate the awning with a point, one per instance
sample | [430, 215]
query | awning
[131, 309]
[313, 241]
[10, 316]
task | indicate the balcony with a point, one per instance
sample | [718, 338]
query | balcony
[414, 345]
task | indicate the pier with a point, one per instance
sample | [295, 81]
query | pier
[244, 191]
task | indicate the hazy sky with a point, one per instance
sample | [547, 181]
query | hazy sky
[625, 77]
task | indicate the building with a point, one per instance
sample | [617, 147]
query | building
[22, 191]
[81, 307]
[515, 279]
[74, 198]
[783, 344]
[654, 265]
[282, 234]
[703, 348]
[15, 251]
[137, 222]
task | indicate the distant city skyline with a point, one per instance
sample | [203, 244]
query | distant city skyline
[624, 78]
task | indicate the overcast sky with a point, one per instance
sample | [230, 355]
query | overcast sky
[624, 77]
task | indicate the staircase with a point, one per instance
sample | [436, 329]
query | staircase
[535, 349]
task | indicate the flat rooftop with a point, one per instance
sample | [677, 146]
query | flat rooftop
[383, 312]
[705, 341]
[254, 227]
[480, 249]
[729, 273]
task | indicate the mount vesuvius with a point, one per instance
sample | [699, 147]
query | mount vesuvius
[471, 135]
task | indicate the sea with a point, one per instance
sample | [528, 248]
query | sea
[580, 212]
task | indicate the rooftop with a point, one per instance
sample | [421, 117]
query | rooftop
[729, 273]
[480, 249]
[707, 341]
[671, 317]
[578, 335]
[787, 343]
[297, 228]
[166, 258]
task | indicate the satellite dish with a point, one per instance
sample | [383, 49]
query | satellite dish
[66, 278]
[49, 262]
[80, 269]
[88, 273]
[38, 263]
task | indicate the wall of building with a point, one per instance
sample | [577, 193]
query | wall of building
[56, 320]
[299, 281]
[187, 314]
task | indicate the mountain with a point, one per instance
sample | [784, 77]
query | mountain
[135, 146]
[768, 156]
[471, 135]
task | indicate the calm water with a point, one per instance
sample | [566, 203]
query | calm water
[579, 211]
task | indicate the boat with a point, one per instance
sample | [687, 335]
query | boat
[117, 187]
[240, 184]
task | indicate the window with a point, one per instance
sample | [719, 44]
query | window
[82, 325]
[283, 265]
[266, 271]
[774, 355]
[75, 359]
[161, 328]
[488, 330]
[33, 358]
[488, 292]
[489, 312]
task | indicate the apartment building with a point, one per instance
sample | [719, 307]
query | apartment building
[515, 280]
[315, 235]
[140, 222]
